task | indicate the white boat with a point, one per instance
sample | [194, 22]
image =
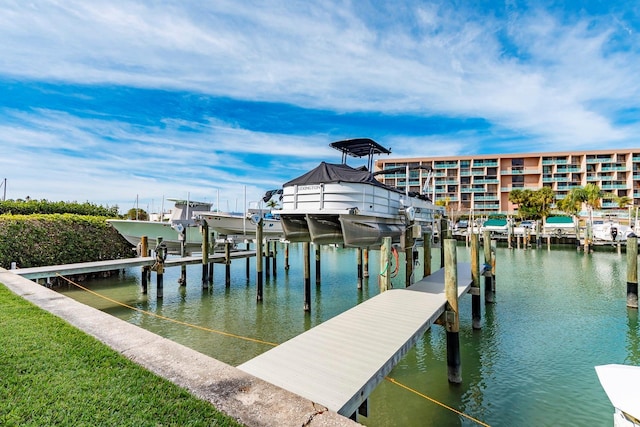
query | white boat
[336, 203]
[560, 226]
[244, 226]
[181, 222]
[621, 383]
[611, 231]
[495, 226]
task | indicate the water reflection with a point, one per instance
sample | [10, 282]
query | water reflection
[558, 313]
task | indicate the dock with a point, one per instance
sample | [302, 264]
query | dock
[340, 362]
[45, 272]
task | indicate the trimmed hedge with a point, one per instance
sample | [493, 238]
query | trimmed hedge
[39, 240]
[29, 207]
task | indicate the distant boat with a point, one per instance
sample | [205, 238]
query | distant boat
[560, 225]
[611, 231]
[496, 225]
[622, 385]
[339, 204]
[181, 222]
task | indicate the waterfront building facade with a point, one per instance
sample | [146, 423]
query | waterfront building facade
[482, 183]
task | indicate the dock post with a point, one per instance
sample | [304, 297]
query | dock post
[248, 261]
[182, 236]
[161, 255]
[488, 276]
[227, 264]
[286, 256]
[274, 261]
[444, 234]
[509, 233]
[476, 310]
[307, 276]
[359, 266]
[384, 280]
[452, 321]
[144, 251]
[426, 255]
[365, 265]
[205, 255]
[538, 236]
[408, 255]
[632, 271]
[267, 270]
[259, 277]
[318, 270]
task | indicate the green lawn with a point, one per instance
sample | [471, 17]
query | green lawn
[54, 374]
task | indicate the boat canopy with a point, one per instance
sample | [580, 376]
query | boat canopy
[495, 222]
[559, 220]
[329, 172]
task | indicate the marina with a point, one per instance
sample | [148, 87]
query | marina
[558, 314]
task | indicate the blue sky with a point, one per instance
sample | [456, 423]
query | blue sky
[108, 100]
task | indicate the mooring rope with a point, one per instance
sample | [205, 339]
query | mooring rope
[179, 322]
[167, 318]
[424, 396]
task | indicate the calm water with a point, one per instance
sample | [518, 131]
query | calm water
[558, 314]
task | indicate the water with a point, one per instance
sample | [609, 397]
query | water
[558, 314]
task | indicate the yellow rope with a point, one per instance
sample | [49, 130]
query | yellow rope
[391, 380]
[167, 318]
[256, 341]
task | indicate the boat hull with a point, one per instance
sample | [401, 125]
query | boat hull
[239, 225]
[133, 231]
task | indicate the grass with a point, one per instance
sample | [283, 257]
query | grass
[54, 374]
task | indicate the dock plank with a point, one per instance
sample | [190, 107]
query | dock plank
[339, 362]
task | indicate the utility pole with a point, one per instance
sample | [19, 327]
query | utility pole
[4, 186]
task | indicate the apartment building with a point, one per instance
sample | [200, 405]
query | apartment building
[482, 183]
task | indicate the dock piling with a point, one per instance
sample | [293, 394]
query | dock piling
[227, 264]
[267, 255]
[384, 281]
[359, 266]
[205, 255]
[161, 256]
[426, 255]
[318, 270]
[452, 321]
[307, 275]
[488, 261]
[286, 256]
[632, 271]
[259, 277]
[476, 310]
[144, 250]
[365, 265]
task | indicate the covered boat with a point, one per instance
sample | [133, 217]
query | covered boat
[337, 203]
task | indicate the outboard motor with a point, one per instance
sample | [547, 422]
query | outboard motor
[614, 233]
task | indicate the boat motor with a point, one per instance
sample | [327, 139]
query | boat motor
[614, 233]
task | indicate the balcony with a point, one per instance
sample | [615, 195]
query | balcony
[486, 181]
[484, 163]
[491, 198]
[613, 168]
[554, 161]
[599, 160]
[613, 186]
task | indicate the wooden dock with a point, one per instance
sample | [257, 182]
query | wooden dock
[339, 362]
[34, 273]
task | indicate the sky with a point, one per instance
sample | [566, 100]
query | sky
[130, 103]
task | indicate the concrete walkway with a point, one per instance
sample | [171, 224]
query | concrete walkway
[246, 398]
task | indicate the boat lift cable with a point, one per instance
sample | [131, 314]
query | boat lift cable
[179, 322]
[168, 318]
[424, 396]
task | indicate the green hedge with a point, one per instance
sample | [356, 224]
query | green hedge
[29, 207]
[39, 240]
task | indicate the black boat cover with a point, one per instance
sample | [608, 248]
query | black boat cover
[331, 172]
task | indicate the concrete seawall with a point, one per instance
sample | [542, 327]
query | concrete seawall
[248, 399]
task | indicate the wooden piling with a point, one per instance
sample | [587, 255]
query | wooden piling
[307, 276]
[488, 277]
[205, 255]
[318, 271]
[248, 260]
[632, 272]
[359, 267]
[408, 256]
[384, 281]
[286, 256]
[452, 321]
[365, 264]
[426, 255]
[444, 234]
[160, 257]
[267, 255]
[227, 264]
[274, 262]
[182, 236]
[259, 277]
[144, 251]
[476, 310]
